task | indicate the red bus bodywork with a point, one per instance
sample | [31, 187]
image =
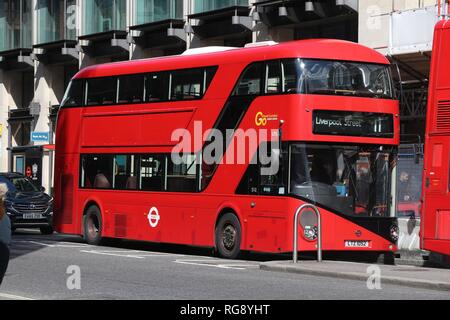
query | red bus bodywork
[190, 218]
[435, 217]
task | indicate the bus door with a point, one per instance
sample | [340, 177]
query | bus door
[436, 201]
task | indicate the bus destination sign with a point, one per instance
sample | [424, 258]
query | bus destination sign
[362, 124]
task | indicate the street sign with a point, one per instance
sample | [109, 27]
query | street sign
[40, 136]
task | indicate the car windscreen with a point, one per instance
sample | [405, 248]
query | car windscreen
[23, 185]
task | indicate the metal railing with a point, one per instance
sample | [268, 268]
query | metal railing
[319, 231]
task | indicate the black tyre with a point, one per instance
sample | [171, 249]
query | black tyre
[46, 230]
[228, 236]
[92, 226]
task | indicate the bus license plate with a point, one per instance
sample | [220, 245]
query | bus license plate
[357, 244]
[32, 216]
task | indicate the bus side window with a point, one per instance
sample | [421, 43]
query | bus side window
[125, 167]
[271, 170]
[96, 171]
[157, 87]
[101, 91]
[75, 94]
[187, 84]
[131, 89]
[250, 181]
[209, 75]
[151, 176]
[273, 77]
[182, 177]
[250, 82]
[291, 79]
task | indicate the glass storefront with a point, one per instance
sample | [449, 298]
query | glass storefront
[211, 5]
[56, 20]
[148, 11]
[15, 24]
[103, 15]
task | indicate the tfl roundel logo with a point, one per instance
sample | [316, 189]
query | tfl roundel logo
[153, 217]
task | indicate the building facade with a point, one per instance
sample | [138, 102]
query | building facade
[43, 43]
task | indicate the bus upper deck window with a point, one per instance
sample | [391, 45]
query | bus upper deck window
[101, 91]
[74, 95]
[291, 76]
[250, 82]
[273, 77]
[157, 87]
[187, 84]
[131, 89]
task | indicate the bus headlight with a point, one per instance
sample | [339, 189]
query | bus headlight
[394, 232]
[310, 233]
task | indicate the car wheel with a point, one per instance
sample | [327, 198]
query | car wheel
[228, 236]
[46, 230]
[92, 226]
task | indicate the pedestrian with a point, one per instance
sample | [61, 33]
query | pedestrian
[5, 233]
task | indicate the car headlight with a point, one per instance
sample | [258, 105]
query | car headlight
[8, 203]
[50, 202]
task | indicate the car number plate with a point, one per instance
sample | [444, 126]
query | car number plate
[32, 216]
[357, 244]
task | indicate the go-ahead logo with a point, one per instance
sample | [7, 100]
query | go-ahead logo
[261, 119]
[153, 217]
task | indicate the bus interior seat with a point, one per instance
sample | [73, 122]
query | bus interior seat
[101, 182]
[132, 183]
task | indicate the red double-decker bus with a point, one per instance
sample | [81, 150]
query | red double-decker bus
[435, 213]
[330, 119]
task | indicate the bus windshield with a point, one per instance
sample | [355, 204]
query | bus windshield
[338, 78]
[352, 180]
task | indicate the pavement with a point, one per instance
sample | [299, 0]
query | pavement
[63, 267]
[405, 275]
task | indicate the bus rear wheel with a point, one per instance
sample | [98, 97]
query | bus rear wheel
[92, 226]
[228, 236]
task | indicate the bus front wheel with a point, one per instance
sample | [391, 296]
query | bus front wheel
[92, 226]
[228, 236]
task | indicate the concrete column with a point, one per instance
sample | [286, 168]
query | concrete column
[3, 123]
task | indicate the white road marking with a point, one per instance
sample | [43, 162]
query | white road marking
[13, 297]
[113, 254]
[54, 244]
[42, 244]
[130, 253]
[207, 263]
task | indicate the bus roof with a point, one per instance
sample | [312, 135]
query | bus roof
[327, 49]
